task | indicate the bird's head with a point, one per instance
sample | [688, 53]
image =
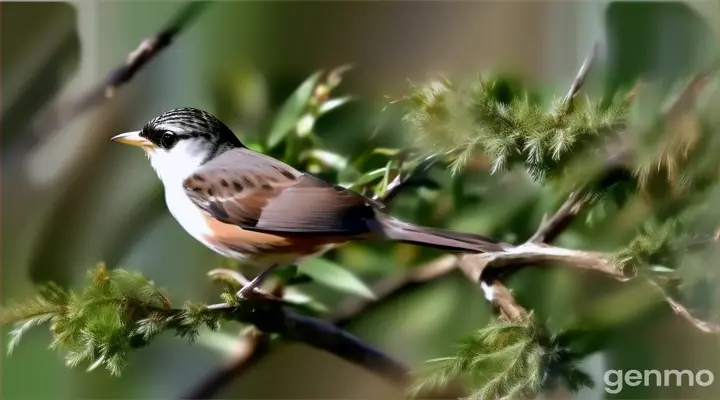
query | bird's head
[180, 140]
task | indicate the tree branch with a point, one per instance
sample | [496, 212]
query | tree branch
[272, 316]
[477, 268]
[267, 314]
[57, 114]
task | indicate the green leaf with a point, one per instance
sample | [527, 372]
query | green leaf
[332, 160]
[332, 275]
[661, 269]
[332, 104]
[287, 274]
[369, 177]
[221, 342]
[387, 151]
[292, 111]
[348, 175]
[302, 299]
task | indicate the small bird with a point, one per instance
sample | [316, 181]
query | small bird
[251, 207]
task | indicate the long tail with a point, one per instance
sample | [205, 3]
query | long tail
[444, 239]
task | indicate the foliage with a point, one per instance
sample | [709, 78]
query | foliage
[507, 360]
[507, 122]
[115, 312]
[659, 164]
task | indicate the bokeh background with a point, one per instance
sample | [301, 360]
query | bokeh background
[71, 199]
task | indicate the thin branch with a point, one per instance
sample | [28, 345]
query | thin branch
[57, 114]
[579, 80]
[391, 286]
[683, 312]
[551, 228]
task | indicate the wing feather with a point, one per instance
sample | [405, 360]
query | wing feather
[260, 193]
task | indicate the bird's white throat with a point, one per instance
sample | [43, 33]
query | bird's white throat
[173, 167]
[176, 164]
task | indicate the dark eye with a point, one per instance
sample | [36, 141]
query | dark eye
[168, 140]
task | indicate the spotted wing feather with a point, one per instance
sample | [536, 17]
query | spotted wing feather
[259, 193]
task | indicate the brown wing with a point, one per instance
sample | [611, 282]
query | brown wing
[260, 193]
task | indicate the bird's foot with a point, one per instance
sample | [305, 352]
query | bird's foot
[252, 287]
[248, 291]
[248, 288]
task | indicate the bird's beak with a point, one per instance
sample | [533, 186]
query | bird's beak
[133, 139]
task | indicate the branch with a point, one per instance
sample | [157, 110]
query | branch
[254, 350]
[272, 316]
[553, 227]
[478, 267]
[683, 312]
[57, 114]
[579, 80]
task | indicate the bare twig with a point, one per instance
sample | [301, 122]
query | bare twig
[57, 114]
[683, 312]
[579, 79]
[551, 228]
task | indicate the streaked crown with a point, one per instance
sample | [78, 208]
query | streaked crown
[173, 126]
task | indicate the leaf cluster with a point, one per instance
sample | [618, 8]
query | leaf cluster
[506, 360]
[115, 312]
[506, 122]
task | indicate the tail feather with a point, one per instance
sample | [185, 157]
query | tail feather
[442, 239]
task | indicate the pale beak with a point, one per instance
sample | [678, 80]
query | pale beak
[133, 139]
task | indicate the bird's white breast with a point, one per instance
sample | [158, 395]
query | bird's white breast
[187, 214]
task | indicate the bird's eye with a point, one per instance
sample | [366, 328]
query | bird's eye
[168, 140]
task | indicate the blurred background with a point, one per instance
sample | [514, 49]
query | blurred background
[70, 198]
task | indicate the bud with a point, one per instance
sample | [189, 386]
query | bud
[305, 125]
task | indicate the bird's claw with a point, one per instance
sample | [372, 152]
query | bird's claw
[248, 289]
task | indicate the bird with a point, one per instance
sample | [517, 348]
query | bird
[258, 210]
